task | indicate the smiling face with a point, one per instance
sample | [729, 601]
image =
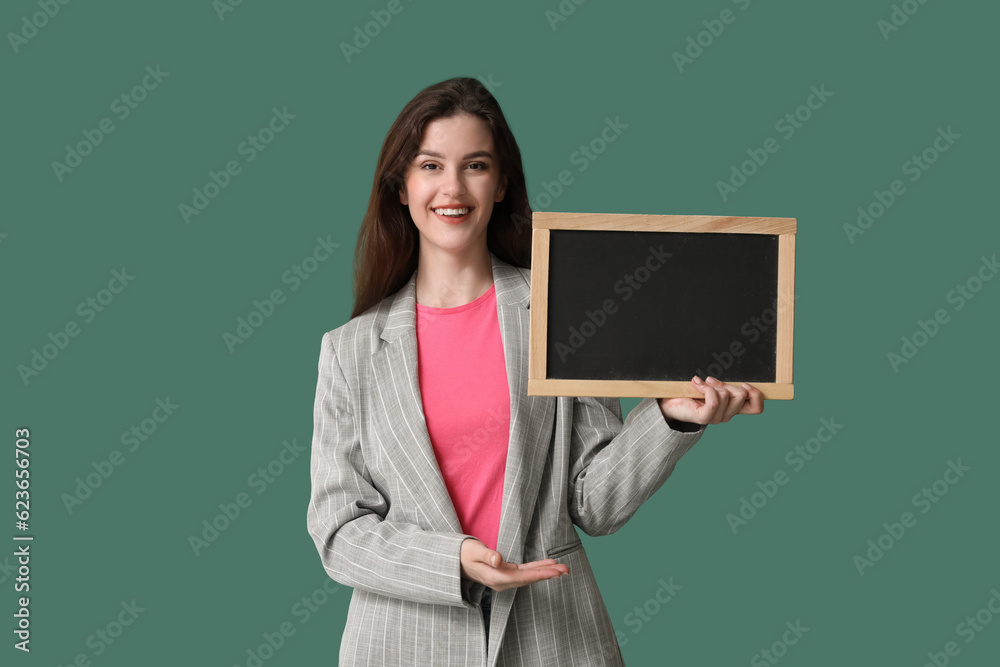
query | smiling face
[452, 184]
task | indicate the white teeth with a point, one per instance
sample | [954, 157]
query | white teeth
[454, 212]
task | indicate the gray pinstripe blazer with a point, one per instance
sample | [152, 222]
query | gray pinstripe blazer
[384, 524]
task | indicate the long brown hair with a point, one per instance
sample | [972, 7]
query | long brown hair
[388, 242]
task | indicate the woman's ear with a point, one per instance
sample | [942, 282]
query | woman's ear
[502, 190]
[402, 196]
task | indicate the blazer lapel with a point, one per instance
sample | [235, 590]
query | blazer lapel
[530, 416]
[399, 418]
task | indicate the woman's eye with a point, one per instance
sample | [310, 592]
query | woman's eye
[427, 165]
[479, 166]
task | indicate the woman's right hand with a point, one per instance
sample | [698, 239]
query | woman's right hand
[482, 564]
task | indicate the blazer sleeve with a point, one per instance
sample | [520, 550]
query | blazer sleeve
[615, 467]
[346, 513]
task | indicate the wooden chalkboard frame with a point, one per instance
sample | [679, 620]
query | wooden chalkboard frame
[542, 222]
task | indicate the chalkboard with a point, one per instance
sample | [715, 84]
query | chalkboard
[635, 305]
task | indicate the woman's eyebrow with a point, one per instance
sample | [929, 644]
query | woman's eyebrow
[467, 157]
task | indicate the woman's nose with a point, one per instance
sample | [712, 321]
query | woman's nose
[454, 183]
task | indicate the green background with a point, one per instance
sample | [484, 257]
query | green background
[162, 336]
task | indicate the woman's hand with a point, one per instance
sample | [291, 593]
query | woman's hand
[487, 566]
[722, 401]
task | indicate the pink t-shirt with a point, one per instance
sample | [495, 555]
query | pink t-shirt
[463, 385]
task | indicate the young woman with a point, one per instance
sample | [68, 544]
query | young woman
[441, 492]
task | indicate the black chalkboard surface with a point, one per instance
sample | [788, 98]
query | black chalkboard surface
[657, 309]
[643, 309]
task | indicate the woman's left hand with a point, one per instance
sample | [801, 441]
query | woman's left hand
[722, 401]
